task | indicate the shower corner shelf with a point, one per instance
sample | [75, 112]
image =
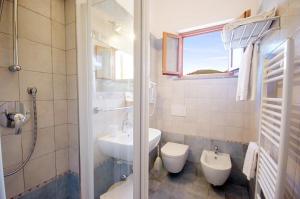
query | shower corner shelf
[243, 35]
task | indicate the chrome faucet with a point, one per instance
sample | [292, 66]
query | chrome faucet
[125, 123]
[216, 149]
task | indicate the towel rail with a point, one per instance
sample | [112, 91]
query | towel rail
[272, 113]
[272, 99]
[274, 79]
[276, 58]
[275, 72]
[268, 177]
[272, 106]
[274, 120]
[269, 125]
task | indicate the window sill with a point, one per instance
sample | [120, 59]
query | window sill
[209, 76]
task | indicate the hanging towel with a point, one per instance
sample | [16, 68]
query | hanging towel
[250, 160]
[254, 70]
[244, 74]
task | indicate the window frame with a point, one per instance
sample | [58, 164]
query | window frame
[181, 37]
[165, 70]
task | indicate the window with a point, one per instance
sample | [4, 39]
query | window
[198, 52]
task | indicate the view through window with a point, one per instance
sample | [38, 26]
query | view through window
[204, 54]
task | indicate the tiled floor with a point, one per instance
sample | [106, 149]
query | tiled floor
[188, 185]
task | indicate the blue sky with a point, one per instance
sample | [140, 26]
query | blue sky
[204, 52]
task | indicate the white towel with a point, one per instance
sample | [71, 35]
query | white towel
[244, 74]
[250, 160]
[254, 70]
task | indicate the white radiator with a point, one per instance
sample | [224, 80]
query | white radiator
[273, 130]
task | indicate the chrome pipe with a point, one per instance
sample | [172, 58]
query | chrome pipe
[1, 8]
[16, 66]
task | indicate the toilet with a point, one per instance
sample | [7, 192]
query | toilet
[216, 167]
[174, 156]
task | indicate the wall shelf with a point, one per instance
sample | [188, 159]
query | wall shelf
[247, 33]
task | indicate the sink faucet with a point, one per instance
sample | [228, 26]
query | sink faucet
[125, 123]
[216, 149]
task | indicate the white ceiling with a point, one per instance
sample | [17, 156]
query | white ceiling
[176, 15]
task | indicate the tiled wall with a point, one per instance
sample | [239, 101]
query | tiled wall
[48, 56]
[72, 95]
[211, 110]
[289, 10]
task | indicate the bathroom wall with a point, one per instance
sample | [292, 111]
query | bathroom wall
[204, 107]
[289, 10]
[48, 56]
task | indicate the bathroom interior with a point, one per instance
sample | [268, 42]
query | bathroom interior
[138, 99]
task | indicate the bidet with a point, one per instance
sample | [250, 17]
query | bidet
[216, 167]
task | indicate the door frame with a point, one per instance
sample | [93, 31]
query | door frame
[85, 93]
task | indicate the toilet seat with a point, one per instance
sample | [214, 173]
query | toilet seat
[174, 150]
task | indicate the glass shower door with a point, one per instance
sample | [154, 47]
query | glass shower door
[112, 49]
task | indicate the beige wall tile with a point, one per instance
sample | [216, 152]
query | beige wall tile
[45, 142]
[11, 150]
[72, 86]
[10, 87]
[59, 61]
[72, 112]
[70, 11]
[40, 6]
[39, 29]
[45, 114]
[74, 159]
[42, 81]
[218, 132]
[70, 36]
[61, 137]
[58, 35]
[73, 135]
[5, 50]
[71, 62]
[59, 86]
[60, 112]
[38, 170]
[14, 184]
[35, 56]
[58, 10]
[62, 161]
[6, 18]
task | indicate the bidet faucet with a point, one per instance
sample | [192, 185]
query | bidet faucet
[216, 149]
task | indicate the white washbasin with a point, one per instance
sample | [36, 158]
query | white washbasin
[120, 146]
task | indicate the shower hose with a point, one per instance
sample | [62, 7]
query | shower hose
[31, 91]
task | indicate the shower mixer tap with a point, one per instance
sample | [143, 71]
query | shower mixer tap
[15, 114]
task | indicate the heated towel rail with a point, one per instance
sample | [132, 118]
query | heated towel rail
[273, 130]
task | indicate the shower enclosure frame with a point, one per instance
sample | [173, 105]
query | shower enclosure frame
[85, 90]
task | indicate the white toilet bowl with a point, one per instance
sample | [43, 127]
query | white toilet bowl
[216, 167]
[174, 156]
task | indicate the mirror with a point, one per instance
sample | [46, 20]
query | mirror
[112, 34]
